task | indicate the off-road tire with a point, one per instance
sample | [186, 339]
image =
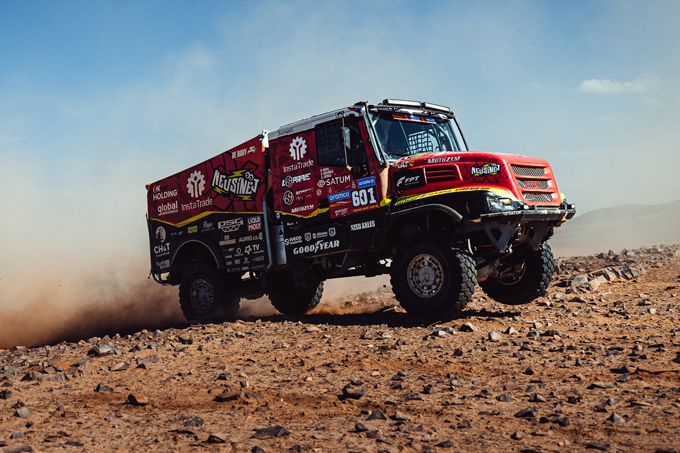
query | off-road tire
[208, 295]
[454, 282]
[291, 299]
[539, 268]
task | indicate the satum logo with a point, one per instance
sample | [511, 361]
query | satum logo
[196, 184]
[298, 148]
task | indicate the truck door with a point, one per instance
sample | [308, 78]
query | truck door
[347, 182]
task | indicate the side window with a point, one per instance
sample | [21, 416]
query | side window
[330, 144]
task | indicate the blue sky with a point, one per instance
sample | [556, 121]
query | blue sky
[98, 98]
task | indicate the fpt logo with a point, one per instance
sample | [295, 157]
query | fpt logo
[298, 148]
[196, 184]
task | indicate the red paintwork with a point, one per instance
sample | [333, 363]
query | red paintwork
[233, 181]
[462, 164]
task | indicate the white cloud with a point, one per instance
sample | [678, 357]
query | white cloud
[611, 87]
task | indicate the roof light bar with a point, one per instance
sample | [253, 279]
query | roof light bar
[431, 106]
[401, 102]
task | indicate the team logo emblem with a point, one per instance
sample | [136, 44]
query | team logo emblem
[196, 184]
[298, 148]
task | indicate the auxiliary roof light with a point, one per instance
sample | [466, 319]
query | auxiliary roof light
[441, 108]
[401, 102]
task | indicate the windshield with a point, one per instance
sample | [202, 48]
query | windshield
[404, 134]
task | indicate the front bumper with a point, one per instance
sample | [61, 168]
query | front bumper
[533, 214]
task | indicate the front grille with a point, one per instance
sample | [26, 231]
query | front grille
[533, 184]
[440, 174]
[538, 197]
[521, 170]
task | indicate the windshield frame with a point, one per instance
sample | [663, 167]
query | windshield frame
[452, 128]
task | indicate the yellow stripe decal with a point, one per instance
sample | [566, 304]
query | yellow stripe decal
[200, 216]
[420, 196]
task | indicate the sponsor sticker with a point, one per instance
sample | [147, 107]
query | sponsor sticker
[230, 225]
[196, 204]
[306, 207]
[241, 184]
[196, 184]
[488, 169]
[443, 160]
[366, 182]
[318, 246]
[290, 181]
[192, 229]
[368, 224]
[160, 234]
[242, 152]
[167, 208]
[288, 198]
[298, 148]
[335, 197]
[158, 194]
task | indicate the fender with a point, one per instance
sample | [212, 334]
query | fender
[455, 215]
[214, 251]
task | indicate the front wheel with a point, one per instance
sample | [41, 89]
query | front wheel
[433, 281]
[206, 294]
[529, 281]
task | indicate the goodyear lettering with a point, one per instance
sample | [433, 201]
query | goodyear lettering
[318, 246]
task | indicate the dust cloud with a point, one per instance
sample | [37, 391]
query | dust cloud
[73, 307]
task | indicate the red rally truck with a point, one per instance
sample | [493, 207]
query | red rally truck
[366, 190]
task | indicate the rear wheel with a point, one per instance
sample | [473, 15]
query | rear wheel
[206, 294]
[294, 297]
[529, 281]
[432, 281]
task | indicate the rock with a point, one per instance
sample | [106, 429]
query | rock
[186, 339]
[504, 398]
[101, 350]
[17, 435]
[495, 336]
[400, 417]
[137, 399]
[103, 388]
[352, 392]
[677, 358]
[377, 414]
[444, 444]
[600, 385]
[194, 422]
[529, 412]
[517, 435]
[616, 419]
[312, 329]
[597, 446]
[120, 366]
[271, 432]
[5, 394]
[257, 449]
[23, 412]
[360, 428]
[459, 352]
[469, 327]
[529, 371]
[537, 398]
[428, 389]
[226, 397]
[217, 438]
[510, 331]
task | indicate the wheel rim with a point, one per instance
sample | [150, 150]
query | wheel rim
[512, 279]
[202, 295]
[425, 276]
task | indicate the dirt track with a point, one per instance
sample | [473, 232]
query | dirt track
[592, 370]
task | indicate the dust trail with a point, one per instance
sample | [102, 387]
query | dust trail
[78, 308]
[352, 295]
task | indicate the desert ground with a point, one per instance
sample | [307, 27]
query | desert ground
[595, 365]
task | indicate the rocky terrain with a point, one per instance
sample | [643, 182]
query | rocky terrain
[593, 366]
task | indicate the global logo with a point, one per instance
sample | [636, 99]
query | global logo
[196, 184]
[298, 148]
